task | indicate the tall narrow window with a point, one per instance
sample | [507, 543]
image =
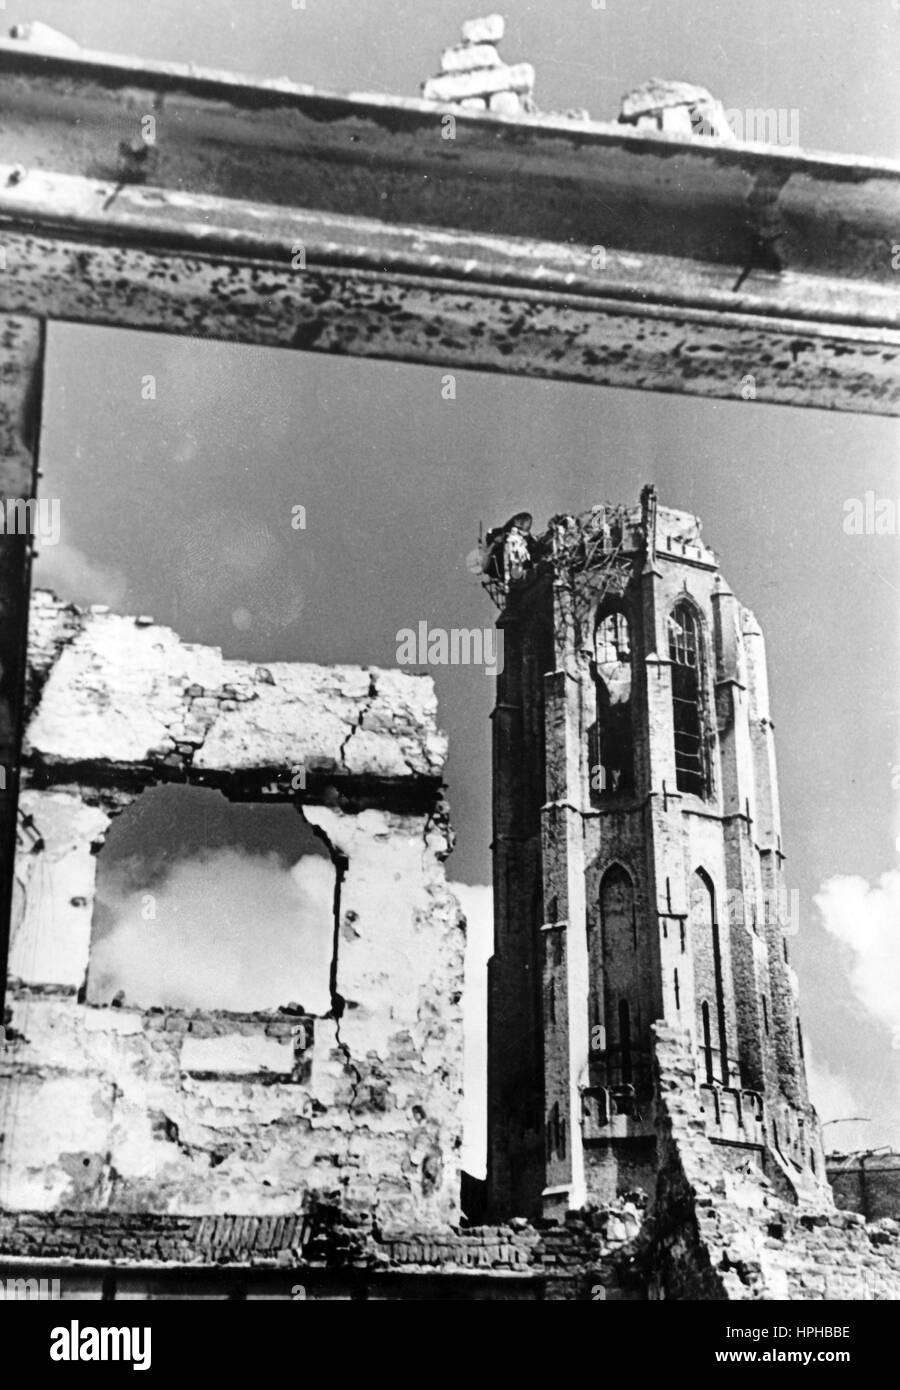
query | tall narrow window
[612, 744]
[556, 1131]
[625, 1040]
[619, 989]
[686, 655]
[709, 978]
[707, 1044]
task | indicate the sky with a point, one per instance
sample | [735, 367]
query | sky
[184, 503]
[182, 873]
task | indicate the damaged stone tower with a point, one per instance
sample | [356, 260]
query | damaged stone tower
[638, 868]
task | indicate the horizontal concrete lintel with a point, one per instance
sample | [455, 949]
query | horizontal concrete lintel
[161, 220]
[104, 780]
[395, 158]
[85, 251]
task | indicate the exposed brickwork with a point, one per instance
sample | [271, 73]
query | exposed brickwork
[587, 1253]
[866, 1182]
[725, 1234]
[716, 1231]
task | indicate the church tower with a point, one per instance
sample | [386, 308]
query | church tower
[638, 865]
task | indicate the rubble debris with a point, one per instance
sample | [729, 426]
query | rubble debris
[676, 108]
[475, 77]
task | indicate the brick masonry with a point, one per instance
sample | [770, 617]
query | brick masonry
[719, 1234]
[866, 1182]
[711, 1233]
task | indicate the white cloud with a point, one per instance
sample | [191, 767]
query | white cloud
[77, 579]
[477, 901]
[867, 920]
[231, 931]
[835, 1099]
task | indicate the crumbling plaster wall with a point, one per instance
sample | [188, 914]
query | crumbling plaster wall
[129, 701]
[169, 1112]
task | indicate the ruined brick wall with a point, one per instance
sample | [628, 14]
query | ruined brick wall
[717, 1230]
[474, 75]
[722, 1231]
[185, 1113]
[590, 1256]
[866, 1182]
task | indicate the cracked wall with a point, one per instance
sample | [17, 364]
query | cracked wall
[177, 1112]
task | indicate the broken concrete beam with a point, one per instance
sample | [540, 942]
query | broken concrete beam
[469, 57]
[489, 29]
[456, 86]
[115, 696]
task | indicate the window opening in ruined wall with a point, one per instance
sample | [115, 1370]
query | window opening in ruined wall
[204, 903]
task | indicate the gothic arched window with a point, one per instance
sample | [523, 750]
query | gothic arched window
[619, 971]
[709, 986]
[612, 640]
[686, 656]
[612, 744]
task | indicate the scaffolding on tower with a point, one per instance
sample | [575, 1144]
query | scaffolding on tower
[603, 542]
